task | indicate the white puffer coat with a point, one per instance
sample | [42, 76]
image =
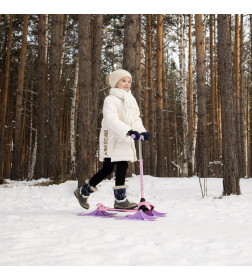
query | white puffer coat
[120, 114]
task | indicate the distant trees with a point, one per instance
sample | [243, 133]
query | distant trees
[53, 87]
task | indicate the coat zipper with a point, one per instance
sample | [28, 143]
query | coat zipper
[133, 149]
[131, 141]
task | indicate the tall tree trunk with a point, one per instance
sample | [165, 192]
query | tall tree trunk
[33, 158]
[96, 73]
[25, 122]
[131, 58]
[53, 149]
[159, 97]
[175, 134]
[72, 124]
[190, 107]
[202, 165]
[218, 103]
[250, 106]
[243, 168]
[84, 128]
[16, 172]
[63, 100]
[230, 164]
[41, 111]
[63, 42]
[130, 51]
[167, 141]
[183, 95]
[146, 99]
[5, 98]
[213, 101]
[32, 148]
[151, 103]
[237, 89]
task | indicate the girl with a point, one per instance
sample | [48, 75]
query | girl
[121, 119]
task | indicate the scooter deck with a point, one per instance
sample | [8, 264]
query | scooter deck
[101, 207]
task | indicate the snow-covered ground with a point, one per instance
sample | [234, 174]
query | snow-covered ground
[39, 226]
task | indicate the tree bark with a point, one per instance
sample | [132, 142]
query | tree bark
[250, 106]
[96, 73]
[202, 164]
[151, 102]
[131, 59]
[146, 99]
[72, 124]
[230, 164]
[167, 133]
[41, 111]
[191, 103]
[159, 97]
[5, 98]
[53, 149]
[84, 129]
[237, 89]
[243, 167]
[183, 95]
[16, 172]
[213, 101]
[130, 51]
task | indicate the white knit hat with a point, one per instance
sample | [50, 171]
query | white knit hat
[117, 75]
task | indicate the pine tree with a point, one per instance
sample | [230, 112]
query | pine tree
[202, 164]
[53, 135]
[183, 95]
[84, 128]
[4, 102]
[131, 51]
[40, 170]
[17, 152]
[230, 164]
[190, 104]
[159, 97]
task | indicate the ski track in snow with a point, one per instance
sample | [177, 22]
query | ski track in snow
[39, 226]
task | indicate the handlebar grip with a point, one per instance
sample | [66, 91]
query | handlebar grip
[133, 136]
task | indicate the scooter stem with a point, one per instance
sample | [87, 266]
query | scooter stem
[141, 168]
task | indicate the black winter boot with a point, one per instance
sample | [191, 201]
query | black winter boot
[121, 201]
[82, 193]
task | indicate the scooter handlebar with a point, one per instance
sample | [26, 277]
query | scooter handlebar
[133, 136]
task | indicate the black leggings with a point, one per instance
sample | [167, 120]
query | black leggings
[107, 169]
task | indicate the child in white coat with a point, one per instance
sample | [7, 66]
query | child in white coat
[121, 119]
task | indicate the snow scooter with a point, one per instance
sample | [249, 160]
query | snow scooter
[145, 210]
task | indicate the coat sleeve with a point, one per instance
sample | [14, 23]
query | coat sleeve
[112, 120]
[138, 124]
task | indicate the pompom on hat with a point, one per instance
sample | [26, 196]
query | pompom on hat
[113, 78]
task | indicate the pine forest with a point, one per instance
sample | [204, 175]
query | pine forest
[192, 79]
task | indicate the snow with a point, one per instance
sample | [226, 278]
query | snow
[39, 226]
